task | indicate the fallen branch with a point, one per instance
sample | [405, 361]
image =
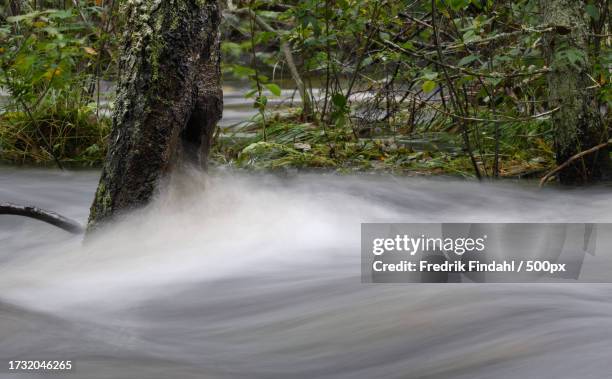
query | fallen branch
[569, 161]
[52, 218]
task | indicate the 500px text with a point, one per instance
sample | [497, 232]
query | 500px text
[470, 266]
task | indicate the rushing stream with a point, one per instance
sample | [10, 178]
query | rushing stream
[237, 276]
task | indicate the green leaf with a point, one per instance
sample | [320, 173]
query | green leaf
[260, 103]
[428, 85]
[264, 37]
[274, 89]
[242, 71]
[60, 14]
[459, 4]
[592, 11]
[231, 48]
[52, 31]
[430, 75]
[339, 100]
[367, 61]
[477, 3]
[493, 81]
[27, 16]
[268, 14]
[570, 55]
[408, 45]
[470, 36]
[467, 60]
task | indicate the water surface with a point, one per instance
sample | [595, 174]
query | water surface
[238, 276]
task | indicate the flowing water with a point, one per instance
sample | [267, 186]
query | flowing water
[238, 276]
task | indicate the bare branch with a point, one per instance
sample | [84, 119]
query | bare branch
[49, 217]
[573, 158]
[286, 50]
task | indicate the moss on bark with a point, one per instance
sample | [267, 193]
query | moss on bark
[578, 125]
[168, 100]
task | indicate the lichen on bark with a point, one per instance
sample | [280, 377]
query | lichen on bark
[168, 100]
[577, 124]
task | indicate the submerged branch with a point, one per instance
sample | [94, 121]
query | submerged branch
[49, 217]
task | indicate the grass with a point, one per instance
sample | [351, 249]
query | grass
[74, 136]
[77, 137]
[291, 144]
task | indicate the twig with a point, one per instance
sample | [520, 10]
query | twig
[496, 75]
[260, 105]
[453, 92]
[84, 18]
[362, 55]
[31, 116]
[573, 158]
[506, 119]
[496, 37]
[286, 50]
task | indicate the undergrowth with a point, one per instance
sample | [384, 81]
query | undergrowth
[75, 136]
[290, 144]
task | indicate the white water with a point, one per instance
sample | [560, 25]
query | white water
[238, 276]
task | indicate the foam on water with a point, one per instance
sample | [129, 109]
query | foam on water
[238, 276]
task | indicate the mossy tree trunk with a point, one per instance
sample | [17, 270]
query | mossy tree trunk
[578, 125]
[168, 101]
[17, 7]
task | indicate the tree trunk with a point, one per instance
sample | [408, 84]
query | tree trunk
[14, 8]
[168, 101]
[578, 125]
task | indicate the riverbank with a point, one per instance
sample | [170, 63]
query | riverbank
[284, 142]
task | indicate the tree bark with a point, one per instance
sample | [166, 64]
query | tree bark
[169, 100]
[578, 125]
[17, 7]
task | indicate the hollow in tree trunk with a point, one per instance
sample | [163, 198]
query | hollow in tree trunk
[577, 123]
[168, 101]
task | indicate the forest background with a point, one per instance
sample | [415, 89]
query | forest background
[476, 88]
